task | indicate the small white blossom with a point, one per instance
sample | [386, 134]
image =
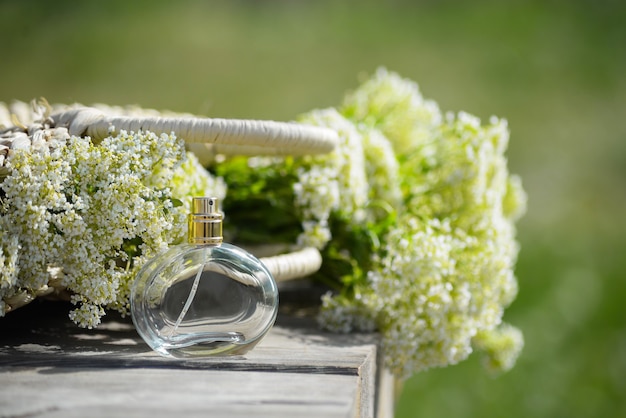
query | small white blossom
[395, 106]
[315, 234]
[501, 347]
[317, 192]
[445, 271]
[96, 212]
[9, 267]
[333, 183]
[345, 166]
[383, 170]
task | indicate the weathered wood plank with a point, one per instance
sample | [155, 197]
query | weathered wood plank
[49, 367]
[155, 392]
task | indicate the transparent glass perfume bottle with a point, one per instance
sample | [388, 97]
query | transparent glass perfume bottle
[206, 297]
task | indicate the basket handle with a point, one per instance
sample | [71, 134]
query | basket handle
[294, 265]
[225, 136]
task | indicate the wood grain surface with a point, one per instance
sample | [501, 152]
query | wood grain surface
[51, 368]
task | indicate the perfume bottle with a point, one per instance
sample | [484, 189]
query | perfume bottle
[205, 297]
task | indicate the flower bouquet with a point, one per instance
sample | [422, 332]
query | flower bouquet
[78, 219]
[413, 213]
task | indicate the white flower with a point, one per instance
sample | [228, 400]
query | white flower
[345, 166]
[501, 347]
[191, 179]
[396, 107]
[315, 234]
[98, 212]
[444, 274]
[317, 192]
[383, 171]
[9, 268]
[333, 183]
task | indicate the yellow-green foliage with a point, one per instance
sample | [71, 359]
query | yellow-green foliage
[417, 211]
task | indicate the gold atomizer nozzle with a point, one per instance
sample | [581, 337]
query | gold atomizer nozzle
[205, 221]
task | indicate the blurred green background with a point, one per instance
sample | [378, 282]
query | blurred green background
[555, 69]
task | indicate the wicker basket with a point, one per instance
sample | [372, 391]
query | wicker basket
[207, 138]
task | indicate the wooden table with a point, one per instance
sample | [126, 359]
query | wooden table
[51, 368]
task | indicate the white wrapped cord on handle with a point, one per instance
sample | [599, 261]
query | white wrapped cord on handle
[294, 265]
[226, 136]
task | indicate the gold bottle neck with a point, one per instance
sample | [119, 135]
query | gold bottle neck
[205, 221]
